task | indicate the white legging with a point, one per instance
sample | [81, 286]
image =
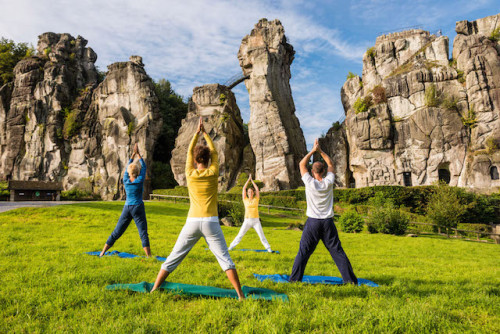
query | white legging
[248, 223]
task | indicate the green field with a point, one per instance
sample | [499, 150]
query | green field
[427, 284]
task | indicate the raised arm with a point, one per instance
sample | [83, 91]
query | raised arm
[327, 159]
[257, 192]
[214, 157]
[244, 192]
[189, 158]
[306, 159]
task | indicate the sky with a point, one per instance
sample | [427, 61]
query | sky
[195, 42]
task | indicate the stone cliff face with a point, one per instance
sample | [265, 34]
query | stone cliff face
[58, 124]
[222, 121]
[274, 130]
[416, 117]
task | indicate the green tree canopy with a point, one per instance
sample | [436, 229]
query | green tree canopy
[173, 109]
[10, 54]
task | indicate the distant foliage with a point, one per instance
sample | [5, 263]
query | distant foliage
[131, 128]
[495, 35]
[378, 93]
[71, 125]
[470, 120]
[447, 206]
[389, 220]
[79, 195]
[371, 52]
[449, 103]
[10, 54]
[222, 99]
[362, 104]
[351, 222]
[432, 97]
[237, 212]
[173, 110]
[336, 126]
[163, 176]
[351, 75]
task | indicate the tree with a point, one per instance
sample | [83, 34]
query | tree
[10, 54]
[173, 110]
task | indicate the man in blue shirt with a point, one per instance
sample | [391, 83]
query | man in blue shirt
[133, 181]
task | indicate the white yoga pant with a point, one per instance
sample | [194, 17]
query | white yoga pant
[248, 223]
[193, 230]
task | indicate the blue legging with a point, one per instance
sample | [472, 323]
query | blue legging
[138, 214]
[324, 230]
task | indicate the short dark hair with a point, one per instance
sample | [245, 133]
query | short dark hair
[318, 167]
[202, 154]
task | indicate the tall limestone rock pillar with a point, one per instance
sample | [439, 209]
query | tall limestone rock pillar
[274, 130]
[123, 111]
[222, 121]
[477, 55]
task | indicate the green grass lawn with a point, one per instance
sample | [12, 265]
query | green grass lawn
[49, 285]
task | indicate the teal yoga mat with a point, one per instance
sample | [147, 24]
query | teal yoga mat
[201, 290]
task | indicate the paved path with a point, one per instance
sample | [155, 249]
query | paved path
[6, 206]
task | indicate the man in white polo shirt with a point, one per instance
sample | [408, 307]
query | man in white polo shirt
[319, 224]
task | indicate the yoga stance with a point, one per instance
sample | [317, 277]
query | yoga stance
[319, 224]
[202, 220]
[133, 181]
[251, 216]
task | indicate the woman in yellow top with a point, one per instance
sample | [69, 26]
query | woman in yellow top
[203, 220]
[251, 216]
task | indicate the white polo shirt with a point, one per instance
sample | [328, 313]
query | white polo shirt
[319, 196]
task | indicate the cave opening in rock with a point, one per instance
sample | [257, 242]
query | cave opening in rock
[444, 175]
[352, 182]
[407, 179]
[494, 173]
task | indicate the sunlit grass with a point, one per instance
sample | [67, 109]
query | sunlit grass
[49, 284]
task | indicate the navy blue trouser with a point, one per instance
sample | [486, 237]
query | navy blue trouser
[138, 214]
[324, 230]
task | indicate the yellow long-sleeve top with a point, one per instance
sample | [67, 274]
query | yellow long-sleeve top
[251, 207]
[202, 184]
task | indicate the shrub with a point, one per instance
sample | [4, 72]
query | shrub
[76, 194]
[237, 212]
[388, 220]
[362, 104]
[460, 76]
[71, 126]
[336, 126]
[177, 191]
[432, 97]
[162, 176]
[446, 207]
[351, 221]
[223, 209]
[130, 128]
[286, 201]
[492, 145]
[371, 52]
[351, 75]
[495, 35]
[449, 103]
[47, 51]
[470, 120]
[378, 93]
[222, 99]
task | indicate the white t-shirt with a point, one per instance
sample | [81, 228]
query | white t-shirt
[319, 196]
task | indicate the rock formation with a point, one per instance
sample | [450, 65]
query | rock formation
[416, 117]
[274, 130]
[222, 121]
[58, 124]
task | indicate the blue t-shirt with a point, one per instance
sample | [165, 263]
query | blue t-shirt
[134, 189]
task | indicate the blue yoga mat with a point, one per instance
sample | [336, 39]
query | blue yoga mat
[255, 250]
[312, 279]
[123, 255]
[201, 290]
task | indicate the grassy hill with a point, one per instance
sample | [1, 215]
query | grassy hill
[427, 284]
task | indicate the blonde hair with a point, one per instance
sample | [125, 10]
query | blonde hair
[133, 170]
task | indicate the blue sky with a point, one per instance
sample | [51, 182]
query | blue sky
[195, 42]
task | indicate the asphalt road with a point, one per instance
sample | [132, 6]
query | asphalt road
[6, 206]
